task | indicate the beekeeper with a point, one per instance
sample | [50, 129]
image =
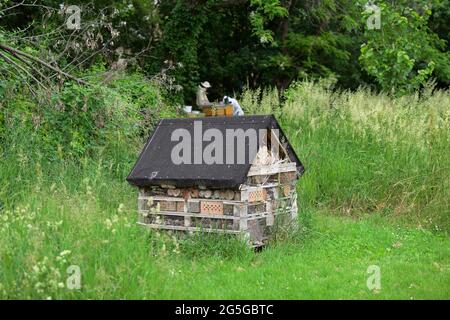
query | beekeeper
[237, 110]
[202, 98]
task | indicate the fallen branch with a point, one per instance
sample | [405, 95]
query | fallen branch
[12, 7]
[30, 65]
[14, 52]
[18, 66]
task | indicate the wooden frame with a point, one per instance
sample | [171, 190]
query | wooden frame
[252, 216]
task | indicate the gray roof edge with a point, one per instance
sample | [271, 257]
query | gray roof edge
[141, 154]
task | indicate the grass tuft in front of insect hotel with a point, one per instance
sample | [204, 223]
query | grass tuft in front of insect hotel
[191, 181]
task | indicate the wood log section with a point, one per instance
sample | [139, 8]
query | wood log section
[174, 192]
[229, 195]
[286, 190]
[207, 194]
[194, 193]
[186, 194]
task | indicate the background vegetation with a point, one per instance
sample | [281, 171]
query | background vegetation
[237, 43]
[366, 110]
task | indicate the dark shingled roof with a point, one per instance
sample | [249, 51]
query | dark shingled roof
[154, 166]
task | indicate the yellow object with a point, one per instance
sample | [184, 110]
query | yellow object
[209, 111]
[220, 111]
[215, 111]
[229, 110]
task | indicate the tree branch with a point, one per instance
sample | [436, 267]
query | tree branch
[42, 62]
[18, 66]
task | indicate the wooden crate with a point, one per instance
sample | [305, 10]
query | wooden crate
[229, 110]
[209, 111]
[220, 112]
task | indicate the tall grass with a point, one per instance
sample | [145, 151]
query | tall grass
[368, 153]
[367, 156]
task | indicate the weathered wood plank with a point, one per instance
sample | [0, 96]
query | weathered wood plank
[181, 228]
[243, 215]
[237, 218]
[272, 169]
[188, 214]
[162, 198]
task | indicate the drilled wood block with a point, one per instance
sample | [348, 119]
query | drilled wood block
[211, 207]
[286, 190]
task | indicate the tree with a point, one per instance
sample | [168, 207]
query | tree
[403, 53]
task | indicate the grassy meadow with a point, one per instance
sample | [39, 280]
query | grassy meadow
[376, 191]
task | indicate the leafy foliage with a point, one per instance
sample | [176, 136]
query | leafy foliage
[81, 120]
[403, 54]
[265, 10]
[239, 43]
[369, 155]
[375, 163]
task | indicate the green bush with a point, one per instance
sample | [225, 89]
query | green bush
[81, 120]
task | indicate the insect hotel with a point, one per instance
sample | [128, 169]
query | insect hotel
[233, 175]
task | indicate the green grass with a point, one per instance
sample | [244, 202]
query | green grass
[376, 192]
[327, 259]
[331, 264]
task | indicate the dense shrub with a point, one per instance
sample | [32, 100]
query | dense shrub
[79, 120]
